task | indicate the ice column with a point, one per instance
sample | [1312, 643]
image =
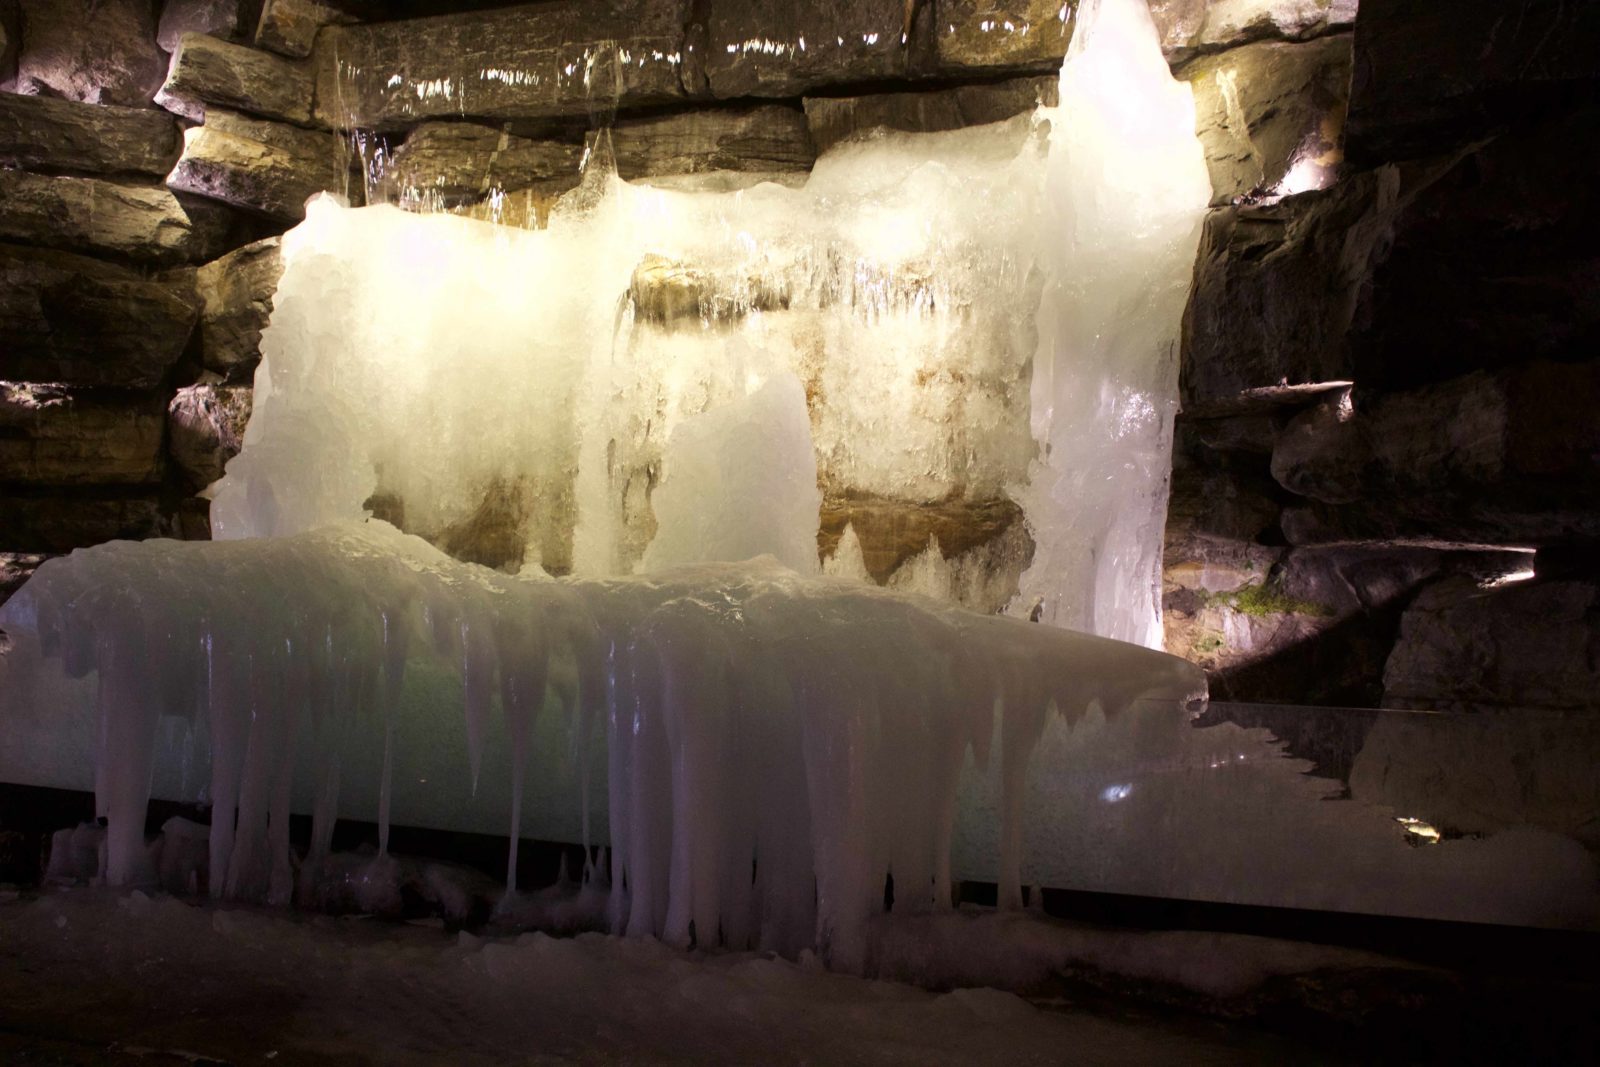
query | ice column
[1128, 189]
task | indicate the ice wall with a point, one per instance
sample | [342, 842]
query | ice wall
[975, 315]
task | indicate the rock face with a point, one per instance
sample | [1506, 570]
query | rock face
[236, 295]
[50, 436]
[54, 522]
[451, 163]
[1431, 76]
[16, 568]
[117, 63]
[67, 318]
[992, 35]
[1512, 458]
[146, 224]
[1528, 644]
[1271, 115]
[289, 27]
[839, 118]
[38, 133]
[1495, 263]
[535, 61]
[1276, 290]
[268, 167]
[230, 20]
[206, 427]
[1191, 27]
[208, 72]
[761, 141]
[785, 49]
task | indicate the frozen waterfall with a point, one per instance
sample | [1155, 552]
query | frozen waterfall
[637, 399]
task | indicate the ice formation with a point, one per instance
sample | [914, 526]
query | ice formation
[646, 394]
[809, 730]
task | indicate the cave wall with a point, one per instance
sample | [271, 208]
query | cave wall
[1387, 374]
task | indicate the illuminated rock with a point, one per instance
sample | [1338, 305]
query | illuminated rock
[289, 27]
[51, 436]
[270, 167]
[236, 292]
[837, 118]
[208, 72]
[1271, 116]
[139, 222]
[96, 51]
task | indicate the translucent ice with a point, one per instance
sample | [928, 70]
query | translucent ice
[974, 316]
[773, 745]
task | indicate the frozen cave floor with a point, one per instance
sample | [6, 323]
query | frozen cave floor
[95, 976]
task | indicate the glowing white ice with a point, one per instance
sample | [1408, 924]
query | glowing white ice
[775, 743]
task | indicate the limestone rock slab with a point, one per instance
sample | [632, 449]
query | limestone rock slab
[562, 57]
[206, 72]
[775, 48]
[229, 20]
[1276, 289]
[839, 118]
[1504, 459]
[289, 27]
[205, 425]
[1271, 115]
[142, 223]
[52, 436]
[270, 167]
[40, 133]
[992, 35]
[761, 140]
[96, 51]
[450, 163]
[1533, 644]
[236, 293]
[73, 319]
[1193, 27]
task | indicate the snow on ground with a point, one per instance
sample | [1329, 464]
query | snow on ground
[140, 977]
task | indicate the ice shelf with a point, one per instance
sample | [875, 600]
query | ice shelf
[769, 746]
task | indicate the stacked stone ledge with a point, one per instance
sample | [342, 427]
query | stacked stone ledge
[1389, 383]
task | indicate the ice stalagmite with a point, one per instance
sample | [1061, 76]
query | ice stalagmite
[644, 399]
[1127, 189]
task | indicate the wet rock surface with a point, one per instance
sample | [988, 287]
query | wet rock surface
[502, 64]
[833, 119]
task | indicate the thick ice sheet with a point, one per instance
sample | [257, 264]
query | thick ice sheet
[775, 745]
